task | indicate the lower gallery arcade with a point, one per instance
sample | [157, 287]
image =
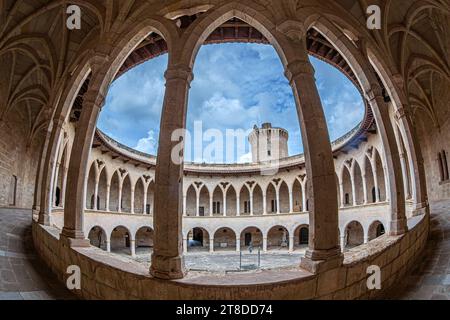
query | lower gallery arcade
[340, 207]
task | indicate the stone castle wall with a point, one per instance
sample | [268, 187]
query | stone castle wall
[18, 162]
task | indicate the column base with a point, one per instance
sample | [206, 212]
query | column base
[398, 227]
[167, 268]
[44, 219]
[420, 209]
[318, 261]
[74, 239]
[75, 243]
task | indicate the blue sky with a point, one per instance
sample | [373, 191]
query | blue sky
[235, 87]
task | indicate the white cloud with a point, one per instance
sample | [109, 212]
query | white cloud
[246, 158]
[235, 87]
[148, 144]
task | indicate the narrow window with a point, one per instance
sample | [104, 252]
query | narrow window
[58, 196]
[246, 206]
[13, 191]
[445, 165]
[441, 166]
[216, 207]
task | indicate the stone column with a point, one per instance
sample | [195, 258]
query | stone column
[341, 193]
[366, 238]
[40, 171]
[352, 180]
[97, 181]
[238, 205]
[108, 245]
[185, 205]
[342, 238]
[46, 195]
[63, 187]
[72, 234]
[304, 197]
[185, 245]
[238, 244]
[224, 203]
[144, 210]
[291, 202]
[119, 209]
[387, 184]
[418, 183]
[264, 244]
[364, 182]
[197, 206]
[291, 243]
[264, 203]
[211, 205]
[277, 196]
[133, 248]
[132, 200]
[375, 181]
[324, 250]
[394, 178]
[403, 161]
[251, 203]
[211, 244]
[108, 195]
[167, 257]
[55, 183]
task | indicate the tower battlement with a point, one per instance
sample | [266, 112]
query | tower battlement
[268, 143]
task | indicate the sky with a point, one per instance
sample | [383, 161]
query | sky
[235, 87]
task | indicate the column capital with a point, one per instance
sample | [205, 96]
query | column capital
[398, 80]
[179, 72]
[292, 29]
[95, 98]
[297, 68]
[374, 92]
[59, 122]
[401, 113]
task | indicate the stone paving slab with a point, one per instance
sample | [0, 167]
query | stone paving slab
[23, 276]
[430, 279]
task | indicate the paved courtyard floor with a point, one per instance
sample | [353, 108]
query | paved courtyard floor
[233, 261]
[23, 276]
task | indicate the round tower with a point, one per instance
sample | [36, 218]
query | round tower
[268, 143]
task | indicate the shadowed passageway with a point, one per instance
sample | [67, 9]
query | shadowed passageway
[23, 276]
[430, 279]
